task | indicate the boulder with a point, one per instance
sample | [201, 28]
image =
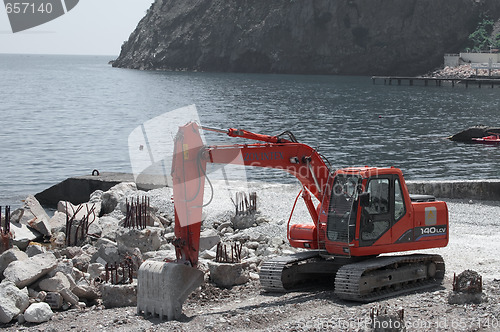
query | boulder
[38, 313]
[208, 239]
[13, 301]
[119, 295]
[78, 212]
[148, 239]
[96, 270]
[107, 253]
[65, 266]
[69, 296]
[82, 261]
[25, 272]
[38, 219]
[109, 226]
[23, 235]
[115, 194]
[34, 249]
[10, 256]
[86, 291]
[58, 222]
[55, 283]
[227, 275]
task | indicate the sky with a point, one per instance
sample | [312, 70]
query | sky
[92, 27]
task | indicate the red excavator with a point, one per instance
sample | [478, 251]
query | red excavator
[360, 214]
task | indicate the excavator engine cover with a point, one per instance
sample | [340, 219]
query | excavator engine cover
[304, 236]
[163, 287]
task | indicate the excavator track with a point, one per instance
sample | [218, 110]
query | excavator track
[382, 277]
[280, 274]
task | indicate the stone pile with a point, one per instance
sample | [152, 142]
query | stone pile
[462, 71]
[59, 262]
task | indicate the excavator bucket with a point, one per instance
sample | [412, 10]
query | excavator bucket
[162, 288]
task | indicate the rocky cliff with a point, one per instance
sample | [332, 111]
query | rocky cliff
[365, 37]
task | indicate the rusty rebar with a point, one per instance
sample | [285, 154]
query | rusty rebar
[246, 204]
[137, 213]
[222, 256]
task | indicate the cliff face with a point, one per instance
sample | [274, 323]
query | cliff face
[365, 37]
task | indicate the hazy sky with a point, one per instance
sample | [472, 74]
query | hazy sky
[97, 27]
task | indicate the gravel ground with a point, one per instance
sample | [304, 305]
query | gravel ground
[474, 244]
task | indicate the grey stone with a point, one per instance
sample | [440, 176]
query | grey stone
[227, 275]
[34, 249]
[86, 291]
[13, 301]
[23, 235]
[39, 218]
[208, 239]
[54, 300]
[109, 226]
[24, 272]
[119, 295]
[66, 267]
[115, 194]
[55, 283]
[81, 262]
[96, 270]
[58, 222]
[148, 239]
[107, 253]
[71, 252]
[10, 256]
[38, 313]
[69, 296]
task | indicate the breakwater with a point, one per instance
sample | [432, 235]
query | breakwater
[78, 189]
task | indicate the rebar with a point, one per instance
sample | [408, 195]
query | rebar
[221, 256]
[83, 225]
[246, 204]
[112, 272]
[137, 214]
[5, 234]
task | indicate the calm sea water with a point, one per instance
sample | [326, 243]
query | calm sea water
[63, 116]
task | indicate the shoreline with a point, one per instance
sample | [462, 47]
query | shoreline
[78, 189]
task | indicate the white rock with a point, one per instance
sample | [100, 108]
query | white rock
[13, 301]
[38, 313]
[24, 272]
[40, 219]
[23, 235]
[10, 256]
[55, 284]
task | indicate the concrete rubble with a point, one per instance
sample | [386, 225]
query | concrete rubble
[48, 274]
[56, 268]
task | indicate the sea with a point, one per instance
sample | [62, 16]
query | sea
[64, 116]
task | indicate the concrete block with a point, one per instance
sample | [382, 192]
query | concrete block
[55, 283]
[118, 295]
[148, 239]
[13, 301]
[25, 272]
[23, 235]
[10, 256]
[227, 275]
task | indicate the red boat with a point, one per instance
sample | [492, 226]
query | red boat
[492, 139]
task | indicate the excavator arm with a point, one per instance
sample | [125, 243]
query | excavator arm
[189, 173]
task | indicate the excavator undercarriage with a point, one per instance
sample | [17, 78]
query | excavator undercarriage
[364, 280]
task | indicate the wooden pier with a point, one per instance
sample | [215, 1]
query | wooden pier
[389, 80]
